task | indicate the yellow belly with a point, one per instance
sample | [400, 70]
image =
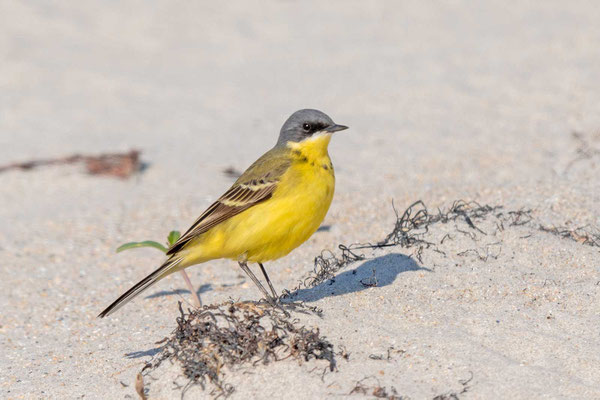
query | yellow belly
[275, 227]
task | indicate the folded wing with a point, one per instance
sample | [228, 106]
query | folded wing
[256, 185]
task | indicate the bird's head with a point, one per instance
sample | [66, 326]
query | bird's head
[307, 125]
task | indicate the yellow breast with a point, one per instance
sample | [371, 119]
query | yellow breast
[301, 201]
[275, 227]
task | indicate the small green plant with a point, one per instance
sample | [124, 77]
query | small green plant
[171, 239]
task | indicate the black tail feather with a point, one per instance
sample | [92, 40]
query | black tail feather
[166, 269]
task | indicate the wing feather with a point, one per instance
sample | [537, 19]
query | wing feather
[256, 185]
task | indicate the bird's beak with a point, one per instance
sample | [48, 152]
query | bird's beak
[335, 128]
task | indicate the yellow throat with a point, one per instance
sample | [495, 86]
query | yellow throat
[313, 149]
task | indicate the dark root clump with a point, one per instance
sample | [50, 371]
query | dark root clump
[229, 335]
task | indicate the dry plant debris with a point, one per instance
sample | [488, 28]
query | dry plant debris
[585, 235]
[390, 351]
[412, 229]
[585, 149]
[119, 165]
[209, 340]
[456, 395]
[375, 390]
[215, 338]
[139, 386]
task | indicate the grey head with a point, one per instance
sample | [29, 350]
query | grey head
[303, 124]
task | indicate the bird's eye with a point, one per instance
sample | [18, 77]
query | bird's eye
[306, 127]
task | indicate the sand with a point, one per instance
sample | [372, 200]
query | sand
[496, 104]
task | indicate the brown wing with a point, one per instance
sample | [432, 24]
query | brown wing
[256, 185]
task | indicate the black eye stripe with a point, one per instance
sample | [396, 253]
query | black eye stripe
[313, 127]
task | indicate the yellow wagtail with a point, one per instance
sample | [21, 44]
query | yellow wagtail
[276, 205]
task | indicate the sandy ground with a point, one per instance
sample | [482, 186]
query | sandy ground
[445, 102]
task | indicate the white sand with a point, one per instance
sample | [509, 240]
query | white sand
[445, 102]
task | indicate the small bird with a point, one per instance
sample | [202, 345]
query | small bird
[273, 207]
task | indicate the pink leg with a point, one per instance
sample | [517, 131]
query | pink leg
[188, 283]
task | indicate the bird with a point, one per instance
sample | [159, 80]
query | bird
[271, 209]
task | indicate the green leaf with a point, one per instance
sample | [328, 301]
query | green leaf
[147, 243]
[173, 237]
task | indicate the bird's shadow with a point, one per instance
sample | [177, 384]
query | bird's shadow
[379, 271]
[150, 353]
[201, 289]
[376, 272]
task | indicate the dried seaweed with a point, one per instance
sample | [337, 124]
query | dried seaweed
[139, 386]
[584, 235]
[390, 350]
[416, 220]
[120, 165]
[585, 150]
[370, 281]
[453, 395]
[375, 390]
[414, 224]
[231, 335]
[492, 250]
[326, 265]
[410, 230]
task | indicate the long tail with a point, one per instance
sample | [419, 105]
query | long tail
[167, 268]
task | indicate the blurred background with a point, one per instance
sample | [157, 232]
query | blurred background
[189, 82]
[490, 101]
[200, 86]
